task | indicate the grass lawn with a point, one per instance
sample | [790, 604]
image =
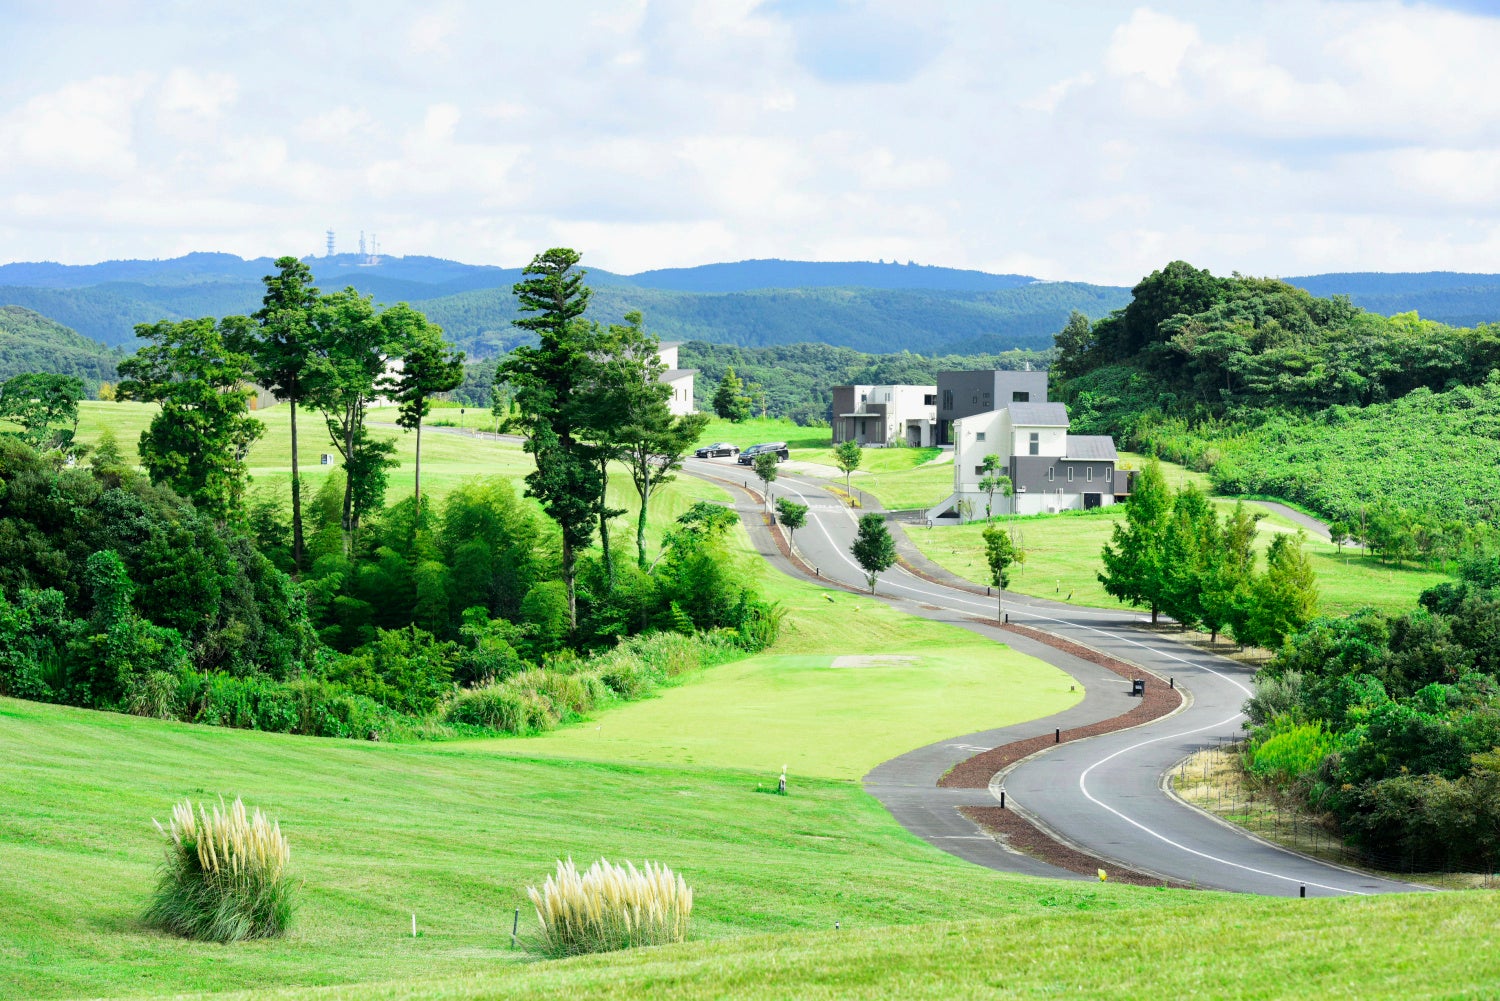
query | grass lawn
[1062, 559]
[758, 429]
[821, 715]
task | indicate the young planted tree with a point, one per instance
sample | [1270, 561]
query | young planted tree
[44, 406]
[1284, 598]
[352, 342]
[550, 383]
[1001, 554]
[765, 468]
[848, 455]
[286, 358]
[791, 515]
[197, 442]
[428, 367]
[1134, 558]
[994, 481]
[730, 401]
[874, 549]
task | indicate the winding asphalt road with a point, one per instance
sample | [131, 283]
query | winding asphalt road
[1103, 794]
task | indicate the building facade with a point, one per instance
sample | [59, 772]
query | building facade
[680, 379]
[1050, 470]
[964, 394]
[885, 415]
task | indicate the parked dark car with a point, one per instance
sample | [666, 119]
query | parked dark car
[747, 457]
[717, 448]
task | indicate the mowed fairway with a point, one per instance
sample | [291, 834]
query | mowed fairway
[821, 715]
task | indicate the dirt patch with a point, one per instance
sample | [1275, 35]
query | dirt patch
[1015, 831]
[873, 660]
[975, 773]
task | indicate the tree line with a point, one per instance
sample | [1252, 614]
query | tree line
[1174, 555]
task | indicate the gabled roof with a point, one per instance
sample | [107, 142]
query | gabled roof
[1091, 446]
[673, 374]
[1039, 414]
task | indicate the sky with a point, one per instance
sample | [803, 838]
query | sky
[1089, 141]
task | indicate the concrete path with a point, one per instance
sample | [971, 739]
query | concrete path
[1307, 521]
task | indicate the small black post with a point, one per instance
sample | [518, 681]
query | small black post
[1057, 736]
[986, 590]
[515, 925]
[1007, 618]
[1171, 682]
[1002, 799]
[1303, 891]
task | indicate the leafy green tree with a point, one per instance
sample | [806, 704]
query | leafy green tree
[551, 385]
[353, 343]
[197, 442]
[1134, 558]
[730, 401]
[874, 549]
[1285, 597]
[994, 482]
[1229, 568]
[1075, 343]
[45, 406]
[287, 360]
[428, 367]
[847, 455]
[791, 514]
[636, 415]
[1001, 554]
[765, 468]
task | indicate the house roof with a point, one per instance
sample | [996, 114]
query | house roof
[673, 374]
[1039, 414]
[1091, 446]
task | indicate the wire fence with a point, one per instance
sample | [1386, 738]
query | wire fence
[1215, 780]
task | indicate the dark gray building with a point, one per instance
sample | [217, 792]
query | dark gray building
[963, 394]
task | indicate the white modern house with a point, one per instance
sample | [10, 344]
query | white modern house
[680, 379]
[884, 415]
[1049, 469]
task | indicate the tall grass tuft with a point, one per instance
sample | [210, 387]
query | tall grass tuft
[610, 907]
[225, 876]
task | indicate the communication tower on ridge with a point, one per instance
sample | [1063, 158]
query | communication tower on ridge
[361, 243]
[330, 244]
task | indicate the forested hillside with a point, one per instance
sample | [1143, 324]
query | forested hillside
[30, 342]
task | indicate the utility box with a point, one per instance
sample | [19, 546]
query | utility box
[1138, 687]
[327, 459]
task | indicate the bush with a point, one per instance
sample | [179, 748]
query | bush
[1289, 751]
[497, 707]
[610, 907]
[225, 878]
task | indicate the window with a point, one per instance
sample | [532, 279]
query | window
[1020, 397]
[979, 436]
[1051, 472]
[1070, 474]
[986, 397]
[1109, 474]
[929, 399]
[976, 397]
[978, 470]
[947, 399]
[1035, 445]
[863, 397]
[1088, 474]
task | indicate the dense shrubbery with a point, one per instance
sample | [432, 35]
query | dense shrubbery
[1391, 724]
[424, 608]
[610, 907]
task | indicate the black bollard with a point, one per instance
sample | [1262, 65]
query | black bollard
[1303, 891]
[1171, 682]
[1057, 736]
[1002, 799]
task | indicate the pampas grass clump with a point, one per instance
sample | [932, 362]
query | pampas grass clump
[225, 876]
[610, 907]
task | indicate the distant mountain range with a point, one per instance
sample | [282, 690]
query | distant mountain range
[871, 307]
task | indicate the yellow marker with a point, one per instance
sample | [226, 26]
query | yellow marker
[1103, 876]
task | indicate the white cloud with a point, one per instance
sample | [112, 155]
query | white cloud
[82, 126]
[1152, 46]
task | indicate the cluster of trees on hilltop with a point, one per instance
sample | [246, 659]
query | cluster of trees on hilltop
[1390, 724]
[30, 342]
[1194, 345]
[176, 594]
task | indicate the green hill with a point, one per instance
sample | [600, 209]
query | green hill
[30, 342]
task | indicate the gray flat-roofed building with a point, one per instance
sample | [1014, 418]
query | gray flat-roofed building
[964, 394]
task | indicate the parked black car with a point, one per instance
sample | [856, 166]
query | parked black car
[717, 448]
[747, 457]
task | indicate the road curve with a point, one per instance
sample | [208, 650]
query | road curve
[1104, 794]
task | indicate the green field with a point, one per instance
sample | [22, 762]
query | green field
[1062, 560]
[819, 714]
